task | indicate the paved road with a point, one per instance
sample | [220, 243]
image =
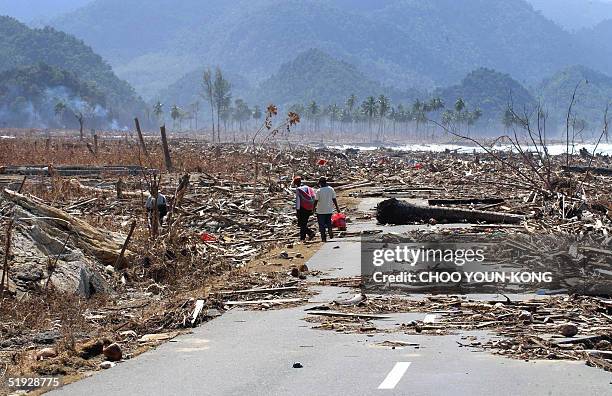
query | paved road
[251, 352]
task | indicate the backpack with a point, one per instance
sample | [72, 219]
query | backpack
[307, 198]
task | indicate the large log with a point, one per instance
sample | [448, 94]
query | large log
[71, 170]
[104, 246]
[393, 211]
[108, 193]
[584, 169]
[464, 201]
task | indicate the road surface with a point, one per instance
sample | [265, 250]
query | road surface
[253, 352]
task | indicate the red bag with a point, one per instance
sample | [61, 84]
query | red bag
[307, 198]
[206, 237]
[339, 221]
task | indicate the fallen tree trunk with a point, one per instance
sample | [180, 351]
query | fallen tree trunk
[464, 201]
[393, 211]
[71, 170]
[104, 246]
[584, 169]
[107, 192]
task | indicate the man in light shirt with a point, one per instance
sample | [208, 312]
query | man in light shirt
[162, 207]
[325, 201]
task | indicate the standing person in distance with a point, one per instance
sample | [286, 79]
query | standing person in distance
[325, 201]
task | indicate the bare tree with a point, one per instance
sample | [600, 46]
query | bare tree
[208, 95]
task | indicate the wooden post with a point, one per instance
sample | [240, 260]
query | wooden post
[120, 185]
[127, 240]
[22, 184]
[167, 158]
[7, 251]
[140, 138]
[95, 144]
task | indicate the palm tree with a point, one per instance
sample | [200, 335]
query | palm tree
[351, 101]
[195, 108]
[435, 104]
[207, 93]
[418, 114]
[158, 111]
[459, 105]
[257, 114]
[60, 108]
[368, 107]
[393, 116]
[313, 113]
[383, 109]
[175, 113]
[333, 112]
[241, 112]
[222, 97]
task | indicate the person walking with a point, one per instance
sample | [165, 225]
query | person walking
[162, 207]
[325, 201]
[304, 206]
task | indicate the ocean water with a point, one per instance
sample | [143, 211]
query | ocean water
[553, 149]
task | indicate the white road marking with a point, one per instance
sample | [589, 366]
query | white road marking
[430, 318]
[394, 376]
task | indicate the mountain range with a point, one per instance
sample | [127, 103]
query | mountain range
[574, 15]
[21, 46]
[290, 51]
[399, 43]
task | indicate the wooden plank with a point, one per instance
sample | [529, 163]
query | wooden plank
[275, 301]
[576, 340]
[266, 290]
[197, 310]
[599, 353]
[348, 315]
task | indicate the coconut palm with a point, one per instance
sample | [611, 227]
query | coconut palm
[369, 108]
[382, 110]
[158, 111]
[60, 109]
[459, 105]
[176, 114]
[313, 110]
[257, 114]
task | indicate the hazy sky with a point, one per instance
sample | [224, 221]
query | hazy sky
[27, 10]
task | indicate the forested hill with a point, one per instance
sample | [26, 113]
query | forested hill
[400, 43]
[46, 96]
[593, 93]
[491, 92]
[316, 76]
[22, 46]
